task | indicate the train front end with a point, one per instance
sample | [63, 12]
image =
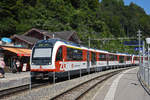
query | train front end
[41, 59]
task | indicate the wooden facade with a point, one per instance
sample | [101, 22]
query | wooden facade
[29, 38]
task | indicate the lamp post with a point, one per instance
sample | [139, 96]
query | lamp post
[148, 42]
[143, 59]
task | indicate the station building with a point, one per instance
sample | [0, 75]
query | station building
[21, 45]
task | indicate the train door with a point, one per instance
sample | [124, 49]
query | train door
[125, 59]
[88, 61]
[59, 59]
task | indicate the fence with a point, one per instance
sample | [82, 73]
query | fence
[144, 73]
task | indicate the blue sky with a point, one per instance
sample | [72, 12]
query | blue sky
[142, 3]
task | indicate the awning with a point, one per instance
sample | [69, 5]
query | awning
[18, 51]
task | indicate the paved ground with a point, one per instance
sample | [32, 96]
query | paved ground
[14, 76]
[13, 80]
[124, 86]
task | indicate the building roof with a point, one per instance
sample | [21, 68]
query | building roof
[63, 35]
[66, 35]
[27, 39]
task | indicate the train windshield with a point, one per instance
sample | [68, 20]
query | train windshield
[42, 52]
[41, 56]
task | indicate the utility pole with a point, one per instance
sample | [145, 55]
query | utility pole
[141, 68]
[143, 53]
[139, 36]
[89, 42]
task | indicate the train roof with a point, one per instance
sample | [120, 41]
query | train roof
[66, 42]
[53, 41]
[124, 54]
[77, 46]
[103, 51]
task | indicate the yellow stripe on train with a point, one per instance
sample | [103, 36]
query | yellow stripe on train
[74, 47]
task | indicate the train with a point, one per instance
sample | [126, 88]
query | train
[60, 57]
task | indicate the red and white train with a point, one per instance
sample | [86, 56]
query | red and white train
[61, 57]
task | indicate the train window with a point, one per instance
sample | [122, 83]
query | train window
[93, 60]
[128, 58]
[102, 57]
[115, 57]
[59, 54]
[74, 54]
[136, 58]
[146, 58]
[121, 59]
[111, 57]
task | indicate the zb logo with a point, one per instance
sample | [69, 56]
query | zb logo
[65, 66]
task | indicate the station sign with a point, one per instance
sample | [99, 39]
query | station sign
[133, 43]
[137, 48]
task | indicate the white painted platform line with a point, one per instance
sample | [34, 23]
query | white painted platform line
[111, 92]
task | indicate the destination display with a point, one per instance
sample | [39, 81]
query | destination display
[44, 45]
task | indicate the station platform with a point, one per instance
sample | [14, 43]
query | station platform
[124, 86]
[12, 80]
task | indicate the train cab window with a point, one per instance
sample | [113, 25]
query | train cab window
[59, 54]
[74, 54]
[102, 57]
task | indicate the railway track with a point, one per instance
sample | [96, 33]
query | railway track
[80, 90]
[15, 90]
[74, 93]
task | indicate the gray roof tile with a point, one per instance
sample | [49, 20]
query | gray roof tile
[27, 39]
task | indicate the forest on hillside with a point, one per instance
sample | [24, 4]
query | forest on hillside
[89, 18]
